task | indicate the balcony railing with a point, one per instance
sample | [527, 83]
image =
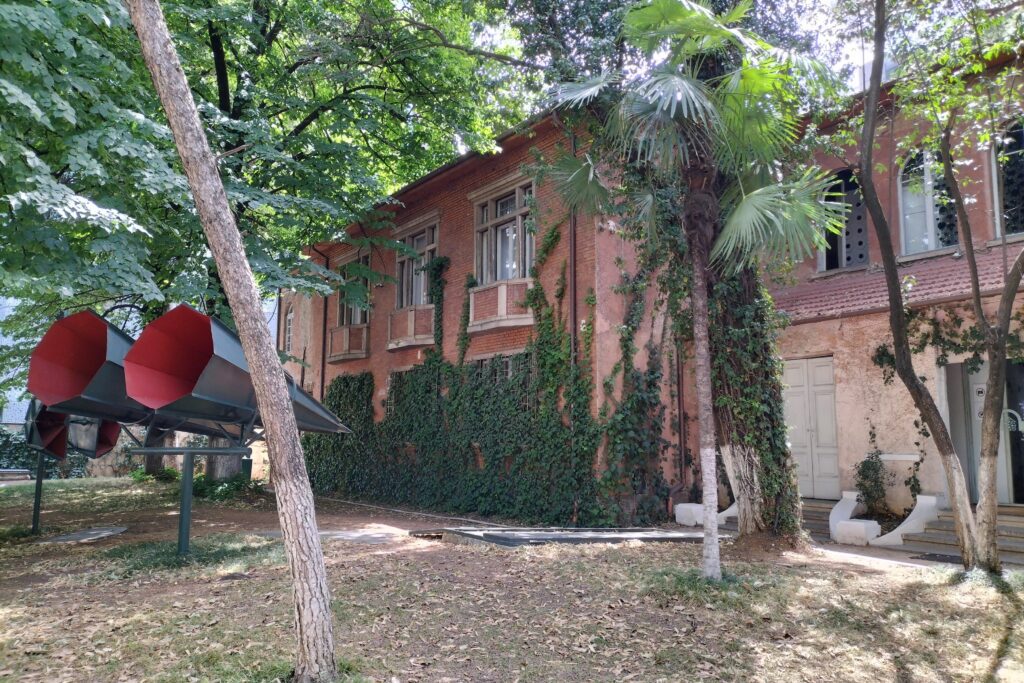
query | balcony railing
[411, 326]
[348, 342]
[499, 304]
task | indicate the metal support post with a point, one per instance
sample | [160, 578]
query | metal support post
[187, 467]
[185, 518]
[38, 502]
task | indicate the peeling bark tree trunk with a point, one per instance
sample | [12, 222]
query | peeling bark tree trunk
[315, 660]
[222, 467]
[699, 221]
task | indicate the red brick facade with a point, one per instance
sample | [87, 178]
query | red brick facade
[395, 339]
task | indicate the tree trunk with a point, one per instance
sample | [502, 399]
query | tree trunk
[919, 393]
[222, 467]
[315, 659]
[698, 226]
[991, 432]
[153, 463]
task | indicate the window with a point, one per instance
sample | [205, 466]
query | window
[928, 220]
[352, 306]
[1011, 167]
[289, 324]
[413, 287]
[850, 247]
[504, 236]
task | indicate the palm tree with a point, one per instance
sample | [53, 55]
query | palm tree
[695, 142]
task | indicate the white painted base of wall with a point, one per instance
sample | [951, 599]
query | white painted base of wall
[692, 514]
[926, 510]
[846, 508]
[856, 531]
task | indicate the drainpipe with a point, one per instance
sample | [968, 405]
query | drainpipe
[277, 325]
[323, 330]
[573, 323]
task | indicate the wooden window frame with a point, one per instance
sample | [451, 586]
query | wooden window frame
[289, 328]
[347, 313]
[488, 223]
[406, 268]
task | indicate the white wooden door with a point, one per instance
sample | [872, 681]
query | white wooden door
[810, 408]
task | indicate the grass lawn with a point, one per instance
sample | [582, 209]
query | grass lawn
[127, 609]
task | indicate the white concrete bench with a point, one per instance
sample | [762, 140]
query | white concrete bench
[856, 531]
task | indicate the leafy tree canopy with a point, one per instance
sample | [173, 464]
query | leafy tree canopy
[318, 109]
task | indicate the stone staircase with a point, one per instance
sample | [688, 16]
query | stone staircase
[815, 519]
[939, 537]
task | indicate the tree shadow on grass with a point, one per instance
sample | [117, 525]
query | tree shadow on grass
[1008, 587]
[216, 550]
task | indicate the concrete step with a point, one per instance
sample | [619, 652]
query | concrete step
[952, 554]
[1010, 531]
[1008, 514]
[947, 539]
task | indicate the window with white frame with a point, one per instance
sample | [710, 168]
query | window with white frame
[413, 287]
[1011, 169]
[504, 236]
[927, 217]
[353, 305]
[289, 326]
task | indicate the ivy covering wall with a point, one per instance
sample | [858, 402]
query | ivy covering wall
[510, 437]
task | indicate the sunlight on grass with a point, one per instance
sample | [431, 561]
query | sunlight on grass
[218, 552]
[690, 585]
[93, 496]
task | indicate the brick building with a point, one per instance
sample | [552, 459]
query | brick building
[475, 211]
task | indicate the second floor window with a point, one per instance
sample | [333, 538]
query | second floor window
[351, 307]
[1011, 168]
[849, 248]
[289, 327]
[504, 236]
[927, 217]
[413, 287]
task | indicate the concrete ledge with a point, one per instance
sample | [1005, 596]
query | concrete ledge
[731, 511]
[690, 514]
[846, 508]
[856, 531]
[926, 510]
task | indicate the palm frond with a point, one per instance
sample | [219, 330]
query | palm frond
[783, 220]
[648, 134]
[580, 93]
[685, 27]
[673, 92]
[758, 121]
[579, 182]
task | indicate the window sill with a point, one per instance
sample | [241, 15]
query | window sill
[1010, 239]
[350, 355]
[822, 274]
[411, 326]
[934, 253]
[499, 304]
[410, 342]
[348, 342]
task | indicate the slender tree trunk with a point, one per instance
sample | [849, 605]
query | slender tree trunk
[699, 220]
[955, 482]
[315, 660]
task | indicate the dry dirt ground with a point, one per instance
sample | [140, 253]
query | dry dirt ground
[122, 609]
